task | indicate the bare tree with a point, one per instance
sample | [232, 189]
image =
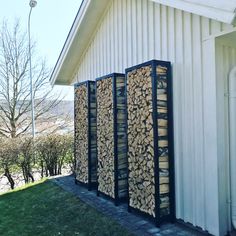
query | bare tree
[15, 103]
[8, 159]
[26, 158]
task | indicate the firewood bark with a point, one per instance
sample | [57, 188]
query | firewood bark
[112, 137]
[163, 151]
[105, 139]
[144, 164]
[93, 132]
[140, 140]
[81, 133]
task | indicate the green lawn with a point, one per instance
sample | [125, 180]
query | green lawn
[45, 209]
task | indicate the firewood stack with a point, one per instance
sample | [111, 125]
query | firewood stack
[93, 133]
[148, 139]
[111, 136]
[85, 133]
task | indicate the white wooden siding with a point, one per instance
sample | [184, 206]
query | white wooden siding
[134, 31]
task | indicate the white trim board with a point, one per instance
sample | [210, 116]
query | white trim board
[223, 11]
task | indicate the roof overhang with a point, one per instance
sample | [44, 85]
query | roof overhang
[89, 16]
[81, 31]
[220, 10]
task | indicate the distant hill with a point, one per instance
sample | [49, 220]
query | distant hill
[65, 108]
[62, 109]
[62, 121]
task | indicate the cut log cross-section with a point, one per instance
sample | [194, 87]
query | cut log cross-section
[85, 134]
[149, 127]
[112, 137]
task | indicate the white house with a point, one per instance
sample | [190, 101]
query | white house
[199, 38]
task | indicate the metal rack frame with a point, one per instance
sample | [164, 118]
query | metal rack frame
[90, 185]
[171, 217]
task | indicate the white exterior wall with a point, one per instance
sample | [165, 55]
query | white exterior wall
[135, 31]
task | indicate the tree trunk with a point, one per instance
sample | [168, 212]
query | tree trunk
[46, 171]
[31, 176]
[42, 169]
[24, 173]
[13, 128]
[9, 177]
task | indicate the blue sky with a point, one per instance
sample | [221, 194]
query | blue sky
[51, 21]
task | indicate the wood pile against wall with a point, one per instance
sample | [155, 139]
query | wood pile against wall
[150, 152]
[92, 134]
[85, 133]
[111, 136]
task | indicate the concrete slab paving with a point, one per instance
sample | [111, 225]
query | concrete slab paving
[134, 223]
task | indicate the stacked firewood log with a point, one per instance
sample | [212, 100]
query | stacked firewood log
[121, 137]
[102, 129]
[105, 139]
[81, 133]
[147, 168]
[112, 137]
[141, 140]
[85, 133]
[163, 154]
[93, 133]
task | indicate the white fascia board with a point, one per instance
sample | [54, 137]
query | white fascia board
[223, 11]
[226, 5]
[67, 46]
[82, 30]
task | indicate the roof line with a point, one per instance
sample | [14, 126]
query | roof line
[66, 41]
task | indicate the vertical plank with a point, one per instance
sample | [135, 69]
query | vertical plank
[198, 162]
[188, 151]
[124, 34]
[215, 27]
[171, 34]
[145, 31]
[129, 42]
[205, 27]
[210, 137]
[108, 43]
[116, 43]
[120, 25]
[134, 32]
[164, 33]
[178, 113]
[151, 31]
[112, 35]
[158, 31]
[139, 25]
[222, 69]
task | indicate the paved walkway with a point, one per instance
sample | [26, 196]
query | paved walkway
[134, 223]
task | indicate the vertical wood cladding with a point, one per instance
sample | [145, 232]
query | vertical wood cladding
[134, 31]
[150, 153]
[85, 133]
[111, 136]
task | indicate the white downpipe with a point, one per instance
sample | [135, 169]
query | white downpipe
[232, 133]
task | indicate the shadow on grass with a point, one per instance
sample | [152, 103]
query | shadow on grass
[45, 209]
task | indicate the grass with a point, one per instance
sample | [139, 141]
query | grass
[45, 209]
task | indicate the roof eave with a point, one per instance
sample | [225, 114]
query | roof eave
[90, 13]
[56, 77]
[77, 40]
[218, 11]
